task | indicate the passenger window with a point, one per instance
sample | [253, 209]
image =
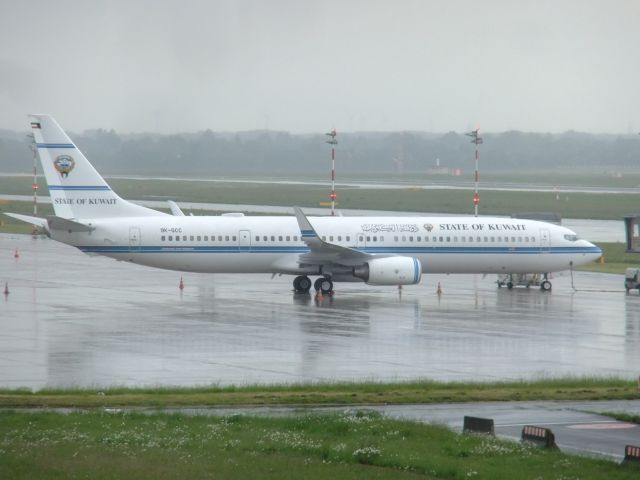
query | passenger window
[520, 239]
[324, 238]
[395, 239]
[170, 238]
[288, 238]
[493, 239]
[257, 238]
[418, 239]
[478, 239]
[381, 238]
[219, 238]
[404, 238]
[295, 238]
[486, 239]
[348, 238]
[233, 238]
[513, 239]
[206, 238]
[426, 239]
[375, 239]
[191, 238]
[199, 238]
[273, 238]
[368, 238]
[533, 239]
[265, 238]
[455, 239]
[339, 238]
[177, 238]
[464, 239]
[331, 238]
[411, 239]
[226, 238]
[162, 238]
[435, 239]
[448, 239]
[441, 239]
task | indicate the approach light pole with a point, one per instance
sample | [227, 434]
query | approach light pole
[333, 142]
[477, 140]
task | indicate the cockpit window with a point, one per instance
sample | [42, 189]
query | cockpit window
[571, 237]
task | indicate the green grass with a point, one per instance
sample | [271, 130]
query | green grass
[616, 259]
[329, 394]
[623, 417]
[346, 446]
[575, 205]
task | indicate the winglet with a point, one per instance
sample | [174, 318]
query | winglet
[307, 232]
[175, 209]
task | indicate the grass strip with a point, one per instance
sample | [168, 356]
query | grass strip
[370, 393]
[354, 445]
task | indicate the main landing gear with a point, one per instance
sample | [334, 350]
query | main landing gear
[302, 284]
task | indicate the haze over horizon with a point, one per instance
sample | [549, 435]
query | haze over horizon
[306, 67]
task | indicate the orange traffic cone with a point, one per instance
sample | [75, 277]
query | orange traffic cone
[181, 286]
[16, 254]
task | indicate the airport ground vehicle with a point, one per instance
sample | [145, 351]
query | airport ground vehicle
[632, 279]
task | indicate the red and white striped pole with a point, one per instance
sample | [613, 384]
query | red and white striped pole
[333, 142]
[477, 140]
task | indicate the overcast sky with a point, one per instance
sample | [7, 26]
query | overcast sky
[307, 66]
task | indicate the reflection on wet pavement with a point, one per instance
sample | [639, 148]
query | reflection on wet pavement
[73, 320]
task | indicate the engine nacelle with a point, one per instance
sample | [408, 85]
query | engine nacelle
[390, 271]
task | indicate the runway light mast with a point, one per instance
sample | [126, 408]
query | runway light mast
[477, 140]
[333, 142]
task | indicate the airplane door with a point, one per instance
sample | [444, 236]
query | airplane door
[134, 239]
[244, 240]
[545, 241]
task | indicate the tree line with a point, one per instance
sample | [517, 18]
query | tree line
[266, 152]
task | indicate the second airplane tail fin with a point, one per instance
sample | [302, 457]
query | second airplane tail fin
[77, 190]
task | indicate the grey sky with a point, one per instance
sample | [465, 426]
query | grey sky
[306, 66]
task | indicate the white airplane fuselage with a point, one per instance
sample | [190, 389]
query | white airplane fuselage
[272, 244]
[377, 250]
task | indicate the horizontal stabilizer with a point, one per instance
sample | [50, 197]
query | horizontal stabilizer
[40, 222]
[53, 223]
[59, 223]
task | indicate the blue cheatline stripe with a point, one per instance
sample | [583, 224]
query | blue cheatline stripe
[304, 249]
[80, 187]
[55, 145]
[415, 270]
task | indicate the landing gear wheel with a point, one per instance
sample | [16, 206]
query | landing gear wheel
[545, 286]
[323, 284]
[510, 285]
[302, 284]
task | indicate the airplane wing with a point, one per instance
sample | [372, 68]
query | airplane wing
[323, 252]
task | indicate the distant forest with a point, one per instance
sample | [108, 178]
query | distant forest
[210, 153]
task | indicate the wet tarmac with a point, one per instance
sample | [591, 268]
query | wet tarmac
[74, 320]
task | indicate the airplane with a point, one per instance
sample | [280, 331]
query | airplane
[390, 250]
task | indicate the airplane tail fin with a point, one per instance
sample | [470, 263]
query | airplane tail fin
[77, 190]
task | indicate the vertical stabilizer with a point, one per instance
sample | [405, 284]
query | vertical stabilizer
[77, 190]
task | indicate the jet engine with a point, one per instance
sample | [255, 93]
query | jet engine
[390, 271]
